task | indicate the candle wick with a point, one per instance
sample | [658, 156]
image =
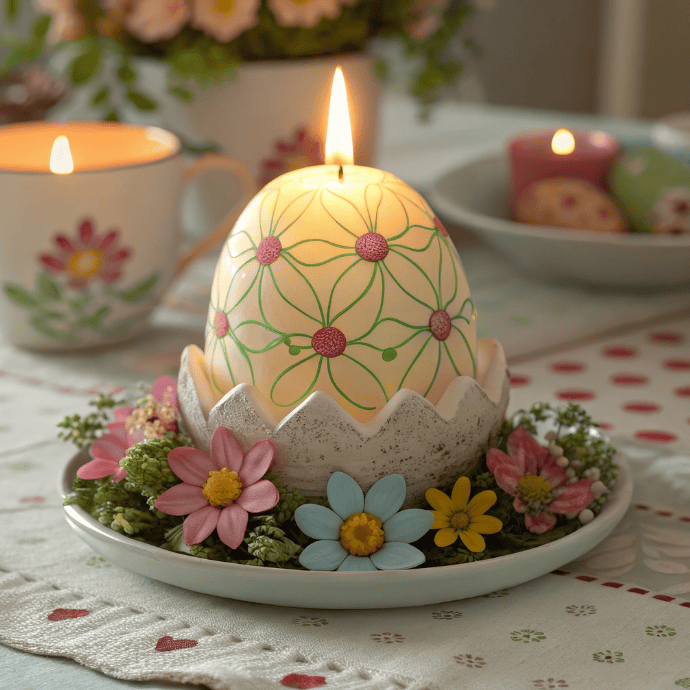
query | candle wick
[340, 173]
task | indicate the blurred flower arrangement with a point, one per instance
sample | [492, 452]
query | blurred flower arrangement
[205, 41]
[145, 480]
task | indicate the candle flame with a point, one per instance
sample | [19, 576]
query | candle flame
[61, 157]
[339, 131]
[563, 142]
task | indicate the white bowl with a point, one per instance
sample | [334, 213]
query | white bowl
[350, 590]
[476, 196]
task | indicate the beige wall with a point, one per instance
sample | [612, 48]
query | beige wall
[545, 54]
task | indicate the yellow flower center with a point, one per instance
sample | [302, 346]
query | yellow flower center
[222, 487]
[361, 534]
[534, 489]
[85, 263]
[225, 6]
[460, 520]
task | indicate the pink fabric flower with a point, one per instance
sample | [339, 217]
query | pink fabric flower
[218, 491]
[530, 473]
[106, 452]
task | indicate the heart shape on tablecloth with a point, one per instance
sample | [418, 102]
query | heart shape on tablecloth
[64, 614]
[167, 644]
[299, 680]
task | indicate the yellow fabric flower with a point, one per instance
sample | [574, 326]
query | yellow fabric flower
[457, 516]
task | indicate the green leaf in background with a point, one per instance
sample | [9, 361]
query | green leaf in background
[141, 291]
[11, 9]
[20, 296]
[120, 328]
[112, 116]
[181, 93]
[85, 66]
[141, 101]
[126, 73]
[95, 321]
[40, 28]
[48, 288]
[41, 323]
[101, 96]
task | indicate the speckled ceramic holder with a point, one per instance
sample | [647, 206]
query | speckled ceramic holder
[429, 445]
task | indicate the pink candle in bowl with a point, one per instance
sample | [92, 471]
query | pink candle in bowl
[544, 154]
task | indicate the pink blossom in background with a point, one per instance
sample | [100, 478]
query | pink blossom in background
[306, 13]
[425, 18]
[530, 473]
[225, 20]
[219, 491]
[157, 20]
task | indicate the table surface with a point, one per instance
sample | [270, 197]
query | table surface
[625, 356]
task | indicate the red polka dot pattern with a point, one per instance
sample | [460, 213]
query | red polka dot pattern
[567, 367]
[671, 337]
[605, 426]
[683, 392]
[619, 352]
[629, 380]
[656, 436]
[677, 364]
[575, 395]
[641, 407]
[518, 380]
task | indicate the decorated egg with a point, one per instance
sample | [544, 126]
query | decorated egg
[653, 189]
[569, 203]
[351, 287]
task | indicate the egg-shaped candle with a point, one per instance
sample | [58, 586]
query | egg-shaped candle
[350, 286]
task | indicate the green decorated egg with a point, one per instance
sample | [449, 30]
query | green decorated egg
[653, 190]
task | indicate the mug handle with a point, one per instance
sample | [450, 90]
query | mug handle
[214, 161]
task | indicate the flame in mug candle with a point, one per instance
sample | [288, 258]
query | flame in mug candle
[563, 142]
[61, 157]
[339, 131]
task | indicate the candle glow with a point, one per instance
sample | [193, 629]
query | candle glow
[563, 142]
[339, 150]
[61, 162]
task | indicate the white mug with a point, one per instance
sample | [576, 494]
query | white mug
[85, 256]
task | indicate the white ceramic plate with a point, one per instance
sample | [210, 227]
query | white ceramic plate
[476, 196]
[333, 590]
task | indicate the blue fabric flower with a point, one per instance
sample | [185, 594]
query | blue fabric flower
[360, 533]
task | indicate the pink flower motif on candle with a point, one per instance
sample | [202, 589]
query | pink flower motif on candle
[88, 256]
[372, 246]
[268, 250]
[220, 324]
[300, 151]
[440, 226]
[329, 342]
[218, 491]
[440, 324]
[540, 486]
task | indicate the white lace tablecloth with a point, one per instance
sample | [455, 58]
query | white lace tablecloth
[619, 617]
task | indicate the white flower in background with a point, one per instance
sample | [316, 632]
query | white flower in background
[672, 211]
[425, 18]
[305, 13]
[157, 20]
[225, 19]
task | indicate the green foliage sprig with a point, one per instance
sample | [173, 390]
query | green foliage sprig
[83, 431]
